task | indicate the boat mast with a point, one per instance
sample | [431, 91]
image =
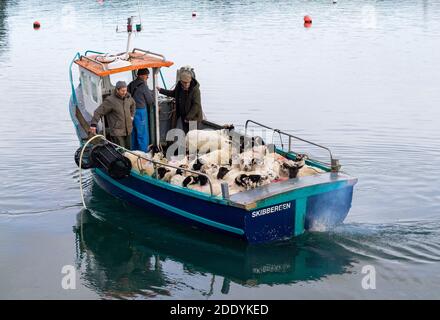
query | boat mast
[130, 32]
[156, 106]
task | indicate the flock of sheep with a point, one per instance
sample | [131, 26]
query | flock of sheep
[214, 155]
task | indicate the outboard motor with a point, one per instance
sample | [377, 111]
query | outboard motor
[105, 156]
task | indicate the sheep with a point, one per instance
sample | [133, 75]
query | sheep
[210, 169]
[239, 180]
[139, 162]
[200, 183]
[207, 140]
[252, 168]
[178, 178]
[248, 160]
[245, 142]
[251, 180]
[299, 168]
[162, 172]
[218, 157]
[308, 171]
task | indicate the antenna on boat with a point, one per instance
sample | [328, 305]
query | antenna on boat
[130, 31]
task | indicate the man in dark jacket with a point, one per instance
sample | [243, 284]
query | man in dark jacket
[188, 101]
[138, 88]
[119, 109]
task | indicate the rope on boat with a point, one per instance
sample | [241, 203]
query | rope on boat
[80, 167]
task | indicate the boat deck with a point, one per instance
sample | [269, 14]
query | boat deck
[248, 199]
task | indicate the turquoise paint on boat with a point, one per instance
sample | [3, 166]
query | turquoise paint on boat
[300, 215]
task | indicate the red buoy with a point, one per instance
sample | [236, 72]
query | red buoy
[307, 24]
[37, 25]
[307, 19]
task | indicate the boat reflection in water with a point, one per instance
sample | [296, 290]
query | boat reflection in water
[124, 253]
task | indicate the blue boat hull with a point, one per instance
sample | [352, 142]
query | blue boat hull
[275, 218]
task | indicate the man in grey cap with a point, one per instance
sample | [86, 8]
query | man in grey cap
[143, 96]
[119, 108]
[188, 101]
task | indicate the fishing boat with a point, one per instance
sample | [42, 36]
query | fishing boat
[273, 212]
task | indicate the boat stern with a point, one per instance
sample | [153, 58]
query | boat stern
[281, 210]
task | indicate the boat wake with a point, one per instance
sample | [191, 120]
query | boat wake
[409, 241]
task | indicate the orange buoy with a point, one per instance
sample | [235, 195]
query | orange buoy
[307, 19]
[37, 25]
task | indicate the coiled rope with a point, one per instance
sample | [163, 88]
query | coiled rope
[80, 166]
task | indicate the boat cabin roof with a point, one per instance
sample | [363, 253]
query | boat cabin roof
[139, 59]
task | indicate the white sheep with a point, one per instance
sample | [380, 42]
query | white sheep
[218, 157]
[308, 171]
[204, 141]
[139, 162]
[200, 183]
[177, 179]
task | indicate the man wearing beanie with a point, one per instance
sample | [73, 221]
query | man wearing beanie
[119, 108]
[188, 101]
[138, 88]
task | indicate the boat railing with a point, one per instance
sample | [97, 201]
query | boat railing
[157, 164]
[334, 163]
[92, 51]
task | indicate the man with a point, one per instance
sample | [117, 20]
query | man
[188, 101]
[143, 96]
[119, 108]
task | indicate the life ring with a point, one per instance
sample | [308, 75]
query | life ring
[105, 58]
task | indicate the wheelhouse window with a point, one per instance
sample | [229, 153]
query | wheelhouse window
[85, 82]
[94, 88]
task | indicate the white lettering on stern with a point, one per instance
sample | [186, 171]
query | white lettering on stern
[270, 210]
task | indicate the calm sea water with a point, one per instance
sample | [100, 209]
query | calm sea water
[363, 80]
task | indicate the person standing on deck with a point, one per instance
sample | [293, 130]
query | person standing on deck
[119, 108]
[188, 101]
[143, 96]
